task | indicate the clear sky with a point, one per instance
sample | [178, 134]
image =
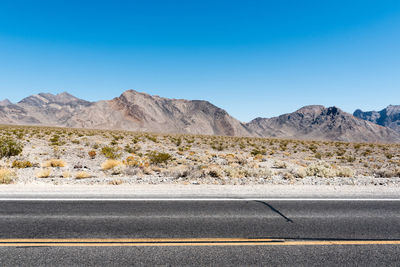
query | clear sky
[252, 58]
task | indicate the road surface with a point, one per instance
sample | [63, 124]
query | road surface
[219, 232]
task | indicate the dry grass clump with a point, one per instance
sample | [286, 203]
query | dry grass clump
[135, 161]
[44, 173]
[92, 154]
[20, 164]
[115, 182]
[6, 176]
[66, 174]
[54, 163]
[110, 164]
[82, 175]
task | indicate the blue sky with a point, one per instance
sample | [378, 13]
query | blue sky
[252, 58]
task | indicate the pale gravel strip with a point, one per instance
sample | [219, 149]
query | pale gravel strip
[168, 191]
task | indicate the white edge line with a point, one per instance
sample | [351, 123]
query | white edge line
[200, 199]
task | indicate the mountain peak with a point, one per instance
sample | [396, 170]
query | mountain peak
[5, 102]
[48, 98]
[311, 109]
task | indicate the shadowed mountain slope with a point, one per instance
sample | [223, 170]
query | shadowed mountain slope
[389, 117]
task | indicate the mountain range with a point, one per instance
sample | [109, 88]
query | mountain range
[139, 111]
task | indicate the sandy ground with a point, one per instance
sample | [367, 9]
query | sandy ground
[61, 156]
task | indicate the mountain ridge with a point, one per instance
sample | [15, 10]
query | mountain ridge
[139, 111]
[321, 123]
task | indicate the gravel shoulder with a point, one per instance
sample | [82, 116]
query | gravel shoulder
[196, 191]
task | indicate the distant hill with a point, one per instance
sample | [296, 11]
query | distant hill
[138, 111]
[320, 123]
[388, 117]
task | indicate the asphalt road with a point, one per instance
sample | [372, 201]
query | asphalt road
[294, 226]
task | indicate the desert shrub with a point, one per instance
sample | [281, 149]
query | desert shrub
[21, 164]
[158, 157]
[340, 152]
[214, 172]
[350, 159]
[280, 164]
[110, 164]
[54, 138]
[259, 172]
[177, 171]
[110, 152]
[257, 151]
[177, 141]
[118, 169]
[344, 172]
[313, 148]
[9, 147]
[152, 138]
[218, 147]
[234, 172]
[44, 173]
[6, 176]
[82, 175]
[320, 170]
[388, 155]
[300, 172]
[54, 163]
[388, 173]
[367, 152]
[357, 146]
[92, 154]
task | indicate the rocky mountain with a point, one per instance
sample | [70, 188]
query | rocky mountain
[5, 102]
[320, 123]
[43, 109]
[130, 111]
[138, 111]
[389, 117]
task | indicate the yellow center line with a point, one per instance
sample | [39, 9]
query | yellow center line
[182, 242]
